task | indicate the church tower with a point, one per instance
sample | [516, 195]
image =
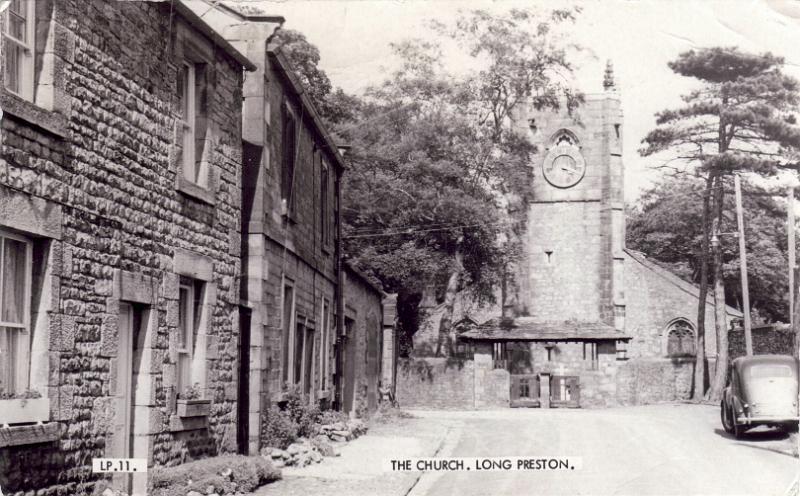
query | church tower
[572, 268]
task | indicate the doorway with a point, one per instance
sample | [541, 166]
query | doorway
[127, 442]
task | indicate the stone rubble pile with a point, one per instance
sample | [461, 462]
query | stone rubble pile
[307, 451]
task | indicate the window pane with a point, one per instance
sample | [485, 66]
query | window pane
[184, 373]
[298, 353]
[183, 318]
[8, 359]
[12, 67]
[183, 77]
[13, 281]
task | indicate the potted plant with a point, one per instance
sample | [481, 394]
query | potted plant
[27, 406]
[190, 404]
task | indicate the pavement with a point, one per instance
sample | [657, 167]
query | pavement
[359, 471]
[669, 449]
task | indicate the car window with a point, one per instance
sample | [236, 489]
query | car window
[764, 371]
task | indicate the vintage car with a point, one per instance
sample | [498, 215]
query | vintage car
[762, 391]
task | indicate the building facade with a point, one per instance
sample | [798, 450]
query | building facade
[587, 322]
[120, 218]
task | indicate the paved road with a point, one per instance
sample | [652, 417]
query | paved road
[650, 450]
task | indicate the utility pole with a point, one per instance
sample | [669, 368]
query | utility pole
[748, 337]
[790, 233]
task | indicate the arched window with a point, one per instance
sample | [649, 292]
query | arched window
[680, 339]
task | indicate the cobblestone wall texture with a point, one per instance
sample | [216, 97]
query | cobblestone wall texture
[112, 175]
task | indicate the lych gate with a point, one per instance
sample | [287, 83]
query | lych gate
[548, 362]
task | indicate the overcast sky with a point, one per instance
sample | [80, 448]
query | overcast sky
[353, 37]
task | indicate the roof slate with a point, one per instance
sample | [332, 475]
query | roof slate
[527, 329]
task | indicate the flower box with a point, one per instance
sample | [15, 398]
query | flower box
[19, 411]
[193, 408]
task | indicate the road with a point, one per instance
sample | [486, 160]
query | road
[649, 450]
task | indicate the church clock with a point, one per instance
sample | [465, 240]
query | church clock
[564, 167]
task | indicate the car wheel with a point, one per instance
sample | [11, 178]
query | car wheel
[725, 417]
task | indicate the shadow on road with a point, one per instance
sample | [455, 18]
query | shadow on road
[756, 435]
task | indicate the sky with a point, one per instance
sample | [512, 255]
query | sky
[354, 38]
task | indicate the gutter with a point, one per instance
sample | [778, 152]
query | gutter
[285, 68]
[199, 24]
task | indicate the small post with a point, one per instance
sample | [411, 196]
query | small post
[748, 337]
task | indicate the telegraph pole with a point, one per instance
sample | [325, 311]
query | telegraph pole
[790, 233]
[748, 337]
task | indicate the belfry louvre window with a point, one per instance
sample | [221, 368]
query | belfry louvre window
[15, 298]
[18, 50]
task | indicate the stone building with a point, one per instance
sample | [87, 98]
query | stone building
[588, 322]
[120, 217]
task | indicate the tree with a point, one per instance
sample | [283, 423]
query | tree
[741, 119]
[334, 105]
[434, 150]
[666, 224]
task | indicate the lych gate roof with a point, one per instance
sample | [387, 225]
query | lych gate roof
[529, 329]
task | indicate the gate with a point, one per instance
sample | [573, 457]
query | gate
[524, 391]
[565, 391]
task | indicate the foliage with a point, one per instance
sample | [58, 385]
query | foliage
[221, 472]
[193, 392]
[437, 175]
[740, 119]
[297, 418]
[333, 105]
[278, 430]
[666, 225]
[329, 417]
[303, 414]
[28, 394]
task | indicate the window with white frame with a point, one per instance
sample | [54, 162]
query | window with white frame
[15, 298]
[192, 123]
[190, 299]
[18, 39]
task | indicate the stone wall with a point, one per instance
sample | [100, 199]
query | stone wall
[363, 304]
[436, 383]
[653, 301]
[90, 175]
[645, 381]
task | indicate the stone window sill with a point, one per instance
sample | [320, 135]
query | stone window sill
[180, 424]
[52, 122]
[195, 191]
[28, 434]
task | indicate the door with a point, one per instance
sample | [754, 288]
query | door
[565, 391]
[123, 400]
[243, 388]
[373, 364]
[349, 365]
[524, 391]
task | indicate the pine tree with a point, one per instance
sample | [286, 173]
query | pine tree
[741, 119]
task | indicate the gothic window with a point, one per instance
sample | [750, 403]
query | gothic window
[680, 339]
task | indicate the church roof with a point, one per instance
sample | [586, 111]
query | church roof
[529, 329]
[686, 286]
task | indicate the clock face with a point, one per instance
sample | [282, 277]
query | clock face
[564, 166]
